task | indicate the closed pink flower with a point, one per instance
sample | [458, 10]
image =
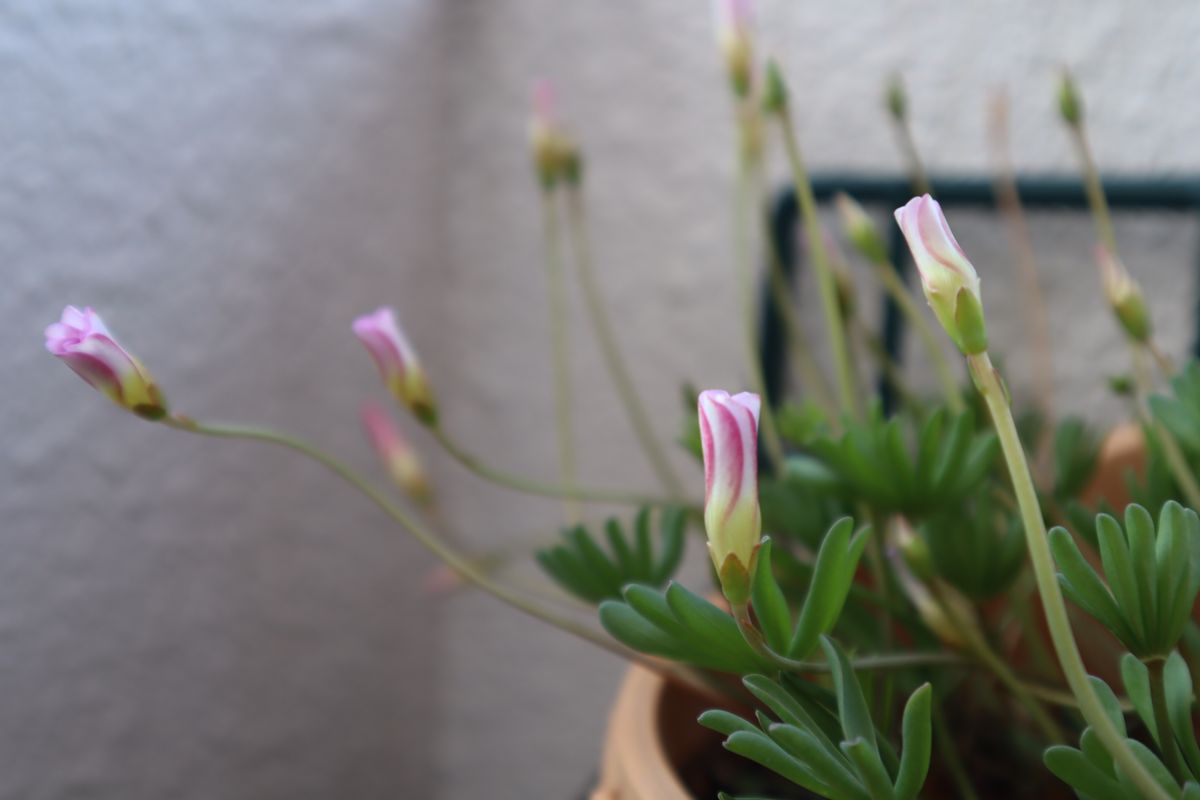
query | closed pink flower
[948, 278]
[395, 452]
[84, 343]
[729, 437]
[397, 362]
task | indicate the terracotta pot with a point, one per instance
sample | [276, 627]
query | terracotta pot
[653, 729]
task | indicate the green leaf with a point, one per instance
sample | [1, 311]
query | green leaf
[724, 722]
[917, 732]
[1083, 585]
[1118, 569]
[1139, 526]
[770, 606]
[1136, 678]
[1070, 766]
[833, 574]
[1112, 706]
[761, 749]
[852, 706]
[1177, 688]
[831, 769]
[869, 767]
[1153, 766]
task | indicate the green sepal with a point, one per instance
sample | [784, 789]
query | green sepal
[970, 332]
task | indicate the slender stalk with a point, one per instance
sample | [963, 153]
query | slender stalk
[937, 357]
[602, 326]
[426, 537]
[1162, 720]
[880, 662]
[847, 390]
[879, 354]
[912, 156]
[558, 339]
[1034, 306]
[987, 380]
[520, 484]
[982, 650]
[745, 210]
[1092, 187]
[811, 376]
[948, 752]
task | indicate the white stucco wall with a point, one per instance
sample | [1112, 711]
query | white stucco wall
[230, 183]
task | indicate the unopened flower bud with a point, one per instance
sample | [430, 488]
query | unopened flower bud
[1124, 296]
[736, 43]
[1070, 104]
[946, 612]
[554, 153]
[948, 279]
[397, 361]
[83, 342]
[775, 92]
[896, 99]
[860, 229]
[729, 440]
[396, 453]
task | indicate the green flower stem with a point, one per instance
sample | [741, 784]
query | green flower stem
[520, 484]
[1094, 190]
[465, 567]
[1172, 452]
[987, 380]
[811, 376]
[887, 365]
[980, 648]
[1162, 720]
[745, 210]
[881, 662]
[847, 390]
[558, 339]
[937, 357]
[602, 325]
[912, 156]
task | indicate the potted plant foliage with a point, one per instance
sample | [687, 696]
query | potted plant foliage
[905, 605]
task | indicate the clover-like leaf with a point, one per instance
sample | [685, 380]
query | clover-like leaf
[582, 567]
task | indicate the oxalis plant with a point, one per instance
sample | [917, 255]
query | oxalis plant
[892, 616]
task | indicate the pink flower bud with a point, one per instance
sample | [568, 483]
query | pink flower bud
[729, 438]
[734, 37]
[395, 453]
[948, 279]
[82, 340]
[397, 362]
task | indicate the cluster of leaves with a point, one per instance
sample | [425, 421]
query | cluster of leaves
[1090, 770]
[944, 462]
[679, 625]
[1151, 576]
[829, 744]
[977, 548]
[582, 567]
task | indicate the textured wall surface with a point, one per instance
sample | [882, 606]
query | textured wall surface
[231, 182]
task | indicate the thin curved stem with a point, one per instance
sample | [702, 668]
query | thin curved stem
[521, 484]
[1094, 189]
[606, 337]
[912, 157]
[463, 566]
[847, 389]
[558, 339]
[987, 380]
[745, 211]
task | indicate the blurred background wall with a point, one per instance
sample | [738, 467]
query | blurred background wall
[231, 182]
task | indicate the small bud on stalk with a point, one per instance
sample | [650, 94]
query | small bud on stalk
[736, 43]
[775, 92]
[396, 453]
[1070, 104]
[896, 99]
[948, 279]
[397, 362]
[729, 439]
[82, 340]
[1124, 296]
[860, 229]
[555, 154]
